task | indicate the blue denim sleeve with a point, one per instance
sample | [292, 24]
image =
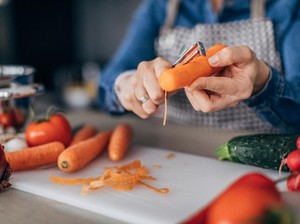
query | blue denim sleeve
[137, 46]
[278, 103]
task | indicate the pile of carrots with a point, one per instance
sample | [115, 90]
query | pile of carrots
[86, 145]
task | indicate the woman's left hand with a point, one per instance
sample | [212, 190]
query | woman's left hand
[243, 75]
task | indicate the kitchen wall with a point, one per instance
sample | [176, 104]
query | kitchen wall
[100, 26]
[6, 33]
[54, 35]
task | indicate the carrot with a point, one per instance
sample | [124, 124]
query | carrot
[34, 157]
[184, 74]
[119, 142]
[84, 133]
[79, 155]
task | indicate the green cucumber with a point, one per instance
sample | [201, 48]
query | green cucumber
[262, 150]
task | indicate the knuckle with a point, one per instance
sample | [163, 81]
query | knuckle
[203, 108]
[234, 104]
[249, 54]
[157, 97]
[144, 65]
[159, 60]
[144, 115]
[218, 87]
[208, 109]
[246, 94]
[134, 80]
[127, 97]
[196, 108]
[227, 55]
[149, 109]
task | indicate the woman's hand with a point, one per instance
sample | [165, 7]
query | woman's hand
[140, 92]
[243, 75]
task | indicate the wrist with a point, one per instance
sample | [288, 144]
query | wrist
[123, 76]
[263, 74]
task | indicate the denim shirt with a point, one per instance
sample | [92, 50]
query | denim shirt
[278, 103]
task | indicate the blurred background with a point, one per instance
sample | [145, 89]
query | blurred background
[67, 41]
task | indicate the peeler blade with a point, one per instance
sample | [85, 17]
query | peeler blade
[188, 54]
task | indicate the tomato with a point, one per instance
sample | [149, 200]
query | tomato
[56, 128]
[6, 119]
[251, 181]
[243, 204]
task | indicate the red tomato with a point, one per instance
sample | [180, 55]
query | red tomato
[57, 128]
[6, 119]
[251, 180]
[243, 204]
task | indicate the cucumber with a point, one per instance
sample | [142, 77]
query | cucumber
[262, 150]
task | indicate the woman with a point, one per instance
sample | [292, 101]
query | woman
[258, 89]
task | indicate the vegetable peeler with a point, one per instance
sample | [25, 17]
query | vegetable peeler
[188, 54]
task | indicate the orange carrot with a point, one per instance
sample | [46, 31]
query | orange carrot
[84, 133]
[184, 74]
[34, 157]
[119, 142]
[79, 155]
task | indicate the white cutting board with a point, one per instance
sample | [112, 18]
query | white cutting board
[193, 182]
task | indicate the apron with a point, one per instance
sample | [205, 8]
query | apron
[256, 32]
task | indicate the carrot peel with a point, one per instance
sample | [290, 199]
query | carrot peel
[120, 178]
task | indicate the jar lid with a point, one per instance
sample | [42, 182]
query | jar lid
[10, 72]
[16, 91]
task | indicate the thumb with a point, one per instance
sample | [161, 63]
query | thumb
[232, 55]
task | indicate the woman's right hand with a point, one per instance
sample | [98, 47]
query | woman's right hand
[140, 92]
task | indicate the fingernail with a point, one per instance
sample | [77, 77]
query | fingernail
[214, 60]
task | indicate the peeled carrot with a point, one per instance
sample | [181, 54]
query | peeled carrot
[184, 74]
[84, 133]
[119, 142]
[34, 157]
[79, 155]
